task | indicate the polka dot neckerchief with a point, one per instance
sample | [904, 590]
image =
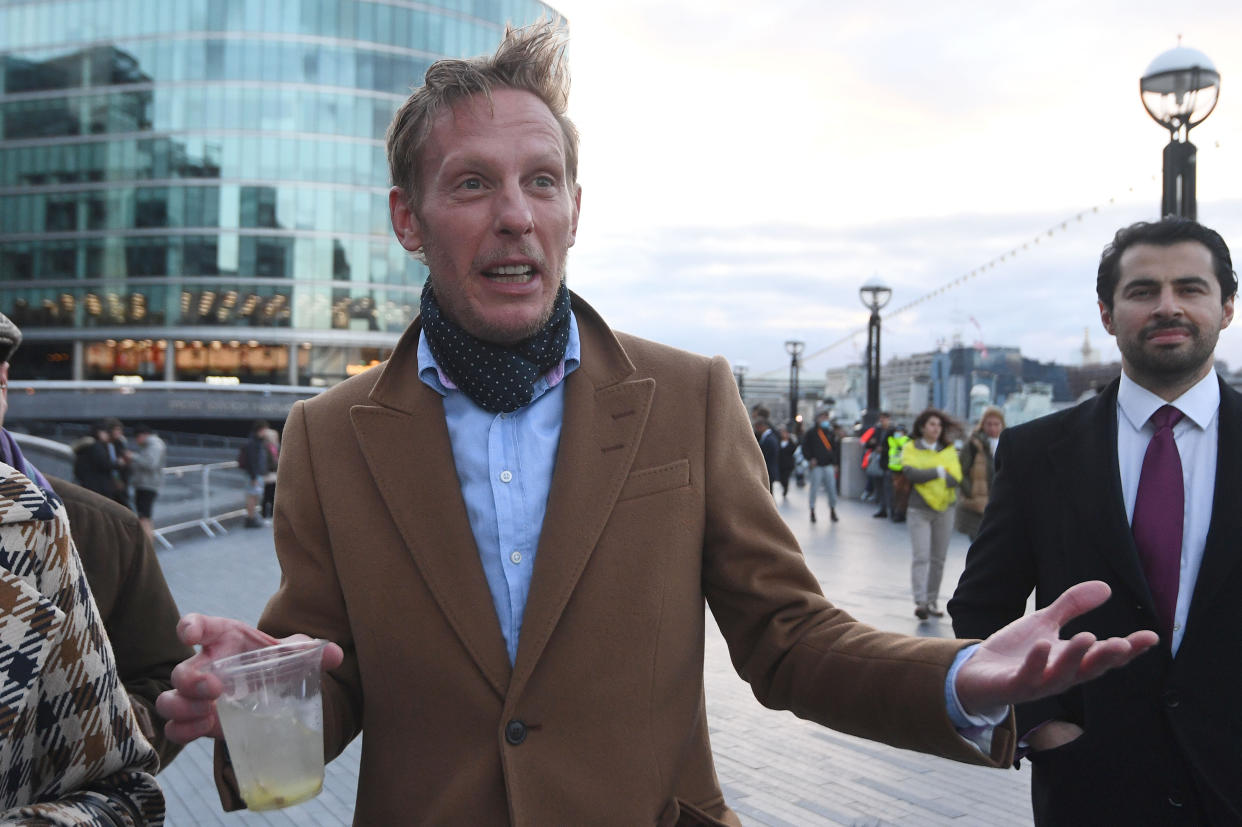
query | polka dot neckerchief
[497, 378]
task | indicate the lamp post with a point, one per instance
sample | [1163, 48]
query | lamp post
[1179, 90]
[874, 295]
[794, 348]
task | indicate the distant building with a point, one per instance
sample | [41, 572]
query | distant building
[847, 388]
[198, 189]
[1090, 355]
[1087, 379]
[1033, 401]
[1003, 371]
[905, 385]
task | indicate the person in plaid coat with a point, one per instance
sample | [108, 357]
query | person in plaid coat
[87, 763]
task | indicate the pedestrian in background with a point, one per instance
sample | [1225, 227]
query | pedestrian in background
[770, 445]
[929, 461]
[875, 440]
[788, 460]
[899, 483]
[977, 459]
[147, 475]
[272, 442]
[253, 459]
[819, 447]
[95, 466]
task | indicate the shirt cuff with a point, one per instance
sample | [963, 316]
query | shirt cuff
[977, 729]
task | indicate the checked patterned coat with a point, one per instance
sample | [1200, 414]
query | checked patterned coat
[71, 751]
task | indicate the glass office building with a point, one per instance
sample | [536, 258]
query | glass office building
[192, 189]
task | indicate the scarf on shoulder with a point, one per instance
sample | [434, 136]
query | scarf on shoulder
[11, 454]
[497, 378]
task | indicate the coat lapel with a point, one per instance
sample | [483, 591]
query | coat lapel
[405, 441]
[1221, 552]
[1095, 496]
[602, 428]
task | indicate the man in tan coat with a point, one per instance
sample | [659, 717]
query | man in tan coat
[510, 529]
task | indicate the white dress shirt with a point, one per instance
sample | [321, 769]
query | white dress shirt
[1196, 436]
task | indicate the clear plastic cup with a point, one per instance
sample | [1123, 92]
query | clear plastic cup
[272, 718]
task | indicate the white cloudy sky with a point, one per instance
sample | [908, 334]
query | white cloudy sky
[748, 165]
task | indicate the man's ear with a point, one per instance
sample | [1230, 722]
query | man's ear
[1226, 313]
[1106, 318]
[405, 224]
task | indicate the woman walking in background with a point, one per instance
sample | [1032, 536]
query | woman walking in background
[930, 463]
[978, 468]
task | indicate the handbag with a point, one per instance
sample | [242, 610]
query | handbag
[901, 493]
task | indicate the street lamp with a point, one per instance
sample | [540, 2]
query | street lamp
[794, 348]
[874, 295]
[1179, 90]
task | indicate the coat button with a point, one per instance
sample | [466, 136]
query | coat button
[1171, 699]
[515, 732]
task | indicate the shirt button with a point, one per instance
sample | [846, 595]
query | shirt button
[1177, 627]
[515, 557]
[506, 476]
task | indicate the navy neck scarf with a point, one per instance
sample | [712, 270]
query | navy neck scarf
[497, 378]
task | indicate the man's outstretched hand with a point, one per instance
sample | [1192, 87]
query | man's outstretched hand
[190, 706]
[1027, 659]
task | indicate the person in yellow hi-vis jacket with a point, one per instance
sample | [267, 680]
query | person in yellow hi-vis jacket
[930, 462]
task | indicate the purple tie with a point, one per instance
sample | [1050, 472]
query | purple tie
[1158, 514]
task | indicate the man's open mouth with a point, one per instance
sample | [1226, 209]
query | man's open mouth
[511, 273]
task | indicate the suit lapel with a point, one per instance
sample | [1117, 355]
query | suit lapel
[405, 441]
[600, 433]
[1221, 551]
[1095, 495]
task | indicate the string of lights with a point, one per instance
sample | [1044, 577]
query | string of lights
[1060, 227]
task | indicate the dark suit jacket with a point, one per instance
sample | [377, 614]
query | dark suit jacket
[1162, 728]
[657, 502]
[770, 447]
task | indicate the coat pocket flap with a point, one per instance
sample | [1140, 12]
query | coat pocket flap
[646, 481]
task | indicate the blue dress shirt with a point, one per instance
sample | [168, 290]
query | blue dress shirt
[504, 466]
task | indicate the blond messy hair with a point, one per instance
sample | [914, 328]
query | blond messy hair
[530, 59]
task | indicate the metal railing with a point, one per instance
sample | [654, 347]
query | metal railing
[188, 496]
[205, 519]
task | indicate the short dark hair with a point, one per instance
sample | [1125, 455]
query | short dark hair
[948, 425]
[1166, 232]
[258, 426]
[141, 429]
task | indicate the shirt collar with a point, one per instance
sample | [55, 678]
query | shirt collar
[431, 374]
[1199, 403]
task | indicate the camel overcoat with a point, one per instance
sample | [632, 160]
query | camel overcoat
[658, 504]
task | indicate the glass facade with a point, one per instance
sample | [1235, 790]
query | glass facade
[207, 178]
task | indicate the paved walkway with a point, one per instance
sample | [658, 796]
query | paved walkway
[775, 769]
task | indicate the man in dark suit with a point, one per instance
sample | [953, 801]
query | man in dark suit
[1138, 487]
[770, 445]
